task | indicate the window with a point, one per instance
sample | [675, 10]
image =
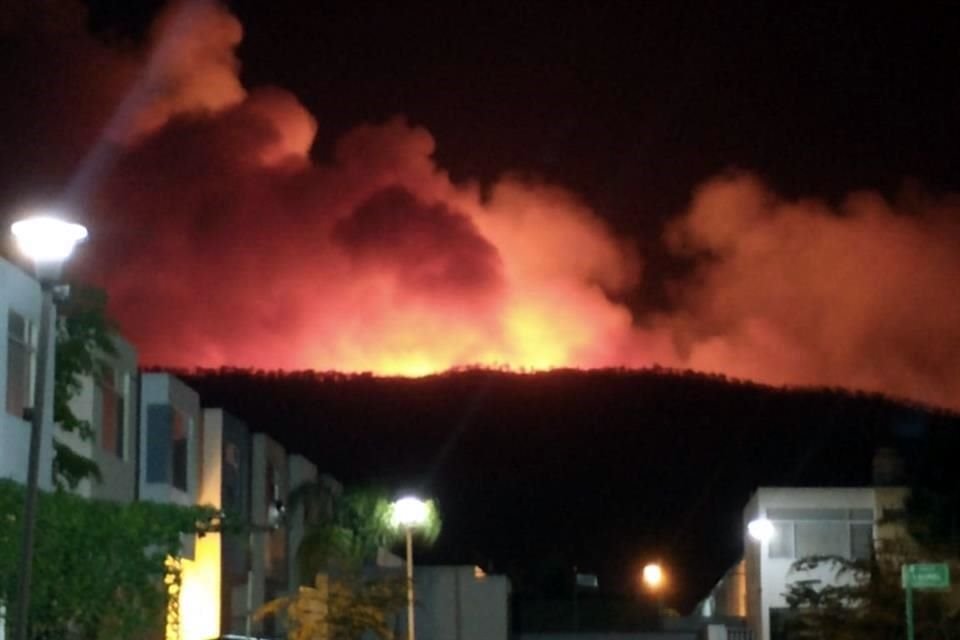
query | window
[800, 533]
[822, 538]
[20, 364]
[181, 438]
[861, 540]
[781, 544]
[114, 392]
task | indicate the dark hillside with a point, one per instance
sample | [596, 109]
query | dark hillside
[602, 469]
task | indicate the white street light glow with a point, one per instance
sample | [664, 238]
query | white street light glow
[761, 530]
[47, 239]
[409, 512]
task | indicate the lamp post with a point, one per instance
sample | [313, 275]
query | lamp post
[48, 241]
[409, 512]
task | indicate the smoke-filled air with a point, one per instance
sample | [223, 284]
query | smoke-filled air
[222, 242]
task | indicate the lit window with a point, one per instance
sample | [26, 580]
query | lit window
[20, 364]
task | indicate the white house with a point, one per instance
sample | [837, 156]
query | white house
[20, 299]
[170, 431]
[109, 403]
[800, 522]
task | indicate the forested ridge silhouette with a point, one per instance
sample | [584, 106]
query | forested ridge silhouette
[538, 472]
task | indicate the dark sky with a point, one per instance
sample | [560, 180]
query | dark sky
[630, 104]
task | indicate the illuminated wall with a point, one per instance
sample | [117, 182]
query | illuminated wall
[200, 592]
[200, 589]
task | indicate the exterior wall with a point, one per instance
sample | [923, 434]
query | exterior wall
[119, 472]
[161, 396]
[455, 603]
[300, 471]
[728, 599]
[200, 596]
[767, 578]
[21, 293]
[269, 557]
[227, 479]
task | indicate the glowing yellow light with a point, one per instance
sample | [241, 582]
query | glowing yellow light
[538, 344]
[653, 576]
[410, 366]
[200, 591]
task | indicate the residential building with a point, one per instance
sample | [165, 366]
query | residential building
[300, 516]
[20, 299]
[226, 486]
[845, 522]
[270, 485]
[170, 447]
[107, 401]
[151, 440]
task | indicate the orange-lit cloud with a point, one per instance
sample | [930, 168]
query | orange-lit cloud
[859, 295]
[222, 242]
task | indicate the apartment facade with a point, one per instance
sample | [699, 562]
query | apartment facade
[152, 439]
[20, 300]
[800, 522]
[108, 403]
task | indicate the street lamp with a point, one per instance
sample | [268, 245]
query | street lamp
[409, 512]
[653, 577]
[48, 241]
[761, 530]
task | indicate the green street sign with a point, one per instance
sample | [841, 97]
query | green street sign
[925, 576]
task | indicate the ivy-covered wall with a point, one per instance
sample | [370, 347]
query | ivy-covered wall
[98, 567]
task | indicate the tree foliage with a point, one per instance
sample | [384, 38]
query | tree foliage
[345, 607]
[865, 600]
[350, 534]
[83, 339]
[91, 555]
[343, 595]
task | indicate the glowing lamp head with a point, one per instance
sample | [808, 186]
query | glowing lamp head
[653, 576]
[409, 512]
[45, 238]
[761, 530]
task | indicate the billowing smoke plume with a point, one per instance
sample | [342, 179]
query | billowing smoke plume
[221, 242]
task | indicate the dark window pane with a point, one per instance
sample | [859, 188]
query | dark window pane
[822, 539]
[861, 541]
[18, 365]
[800, 513]
[180, 438]
[18, 362]
[121, 419]
[109, 427]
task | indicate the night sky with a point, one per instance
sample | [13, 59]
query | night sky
[764, 192]
[402, 189]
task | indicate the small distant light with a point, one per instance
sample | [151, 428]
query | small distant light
[761, 530]
[653, 575]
